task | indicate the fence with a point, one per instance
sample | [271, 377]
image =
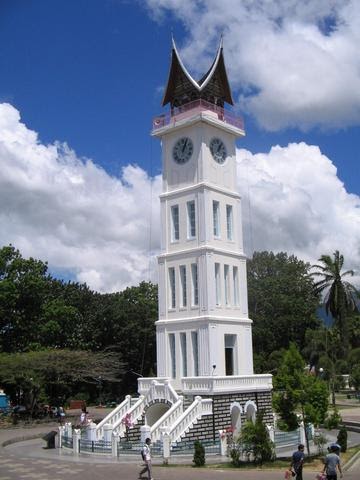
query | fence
[186, 448]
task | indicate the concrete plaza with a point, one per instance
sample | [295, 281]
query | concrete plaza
[29, 460]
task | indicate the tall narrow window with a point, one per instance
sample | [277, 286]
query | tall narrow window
[174, 223]
[236, 285]
[172, 286]
[183, 285]
[191, 223]
[194, 285]
[217, 284]
[230, 343]
[229, 222]
[227, 285]
[183, 353]
[172, 354]
[216, 218]
[195, 350]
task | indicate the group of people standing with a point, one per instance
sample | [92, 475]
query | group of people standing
[332, 463]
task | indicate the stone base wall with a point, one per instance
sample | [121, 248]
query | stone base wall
[208, 426]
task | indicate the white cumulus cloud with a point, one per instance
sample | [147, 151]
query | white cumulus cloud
[294, 62]
[58, 207]
[73, 214]
[293, 201]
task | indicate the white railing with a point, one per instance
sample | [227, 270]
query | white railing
[192, 414]
[134, 413]
[215, 384]
[118, 413]
[168, 419]
[156, 391]
[145, 383]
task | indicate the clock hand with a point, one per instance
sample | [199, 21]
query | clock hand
[182, 151]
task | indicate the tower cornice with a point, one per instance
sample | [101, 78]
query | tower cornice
[199, 187]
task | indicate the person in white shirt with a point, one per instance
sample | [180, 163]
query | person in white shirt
[146, 455]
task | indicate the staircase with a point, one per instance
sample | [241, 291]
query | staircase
[133, 408]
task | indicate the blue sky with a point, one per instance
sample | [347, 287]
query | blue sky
[90, 74]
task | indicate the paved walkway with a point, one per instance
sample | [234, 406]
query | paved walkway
[28, 460]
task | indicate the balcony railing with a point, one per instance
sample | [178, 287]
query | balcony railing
[192, 108]
[217, 384]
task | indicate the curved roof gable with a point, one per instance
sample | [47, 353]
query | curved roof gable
[182, 87]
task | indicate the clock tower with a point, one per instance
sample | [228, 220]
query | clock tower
[205, 380]
[204, 340]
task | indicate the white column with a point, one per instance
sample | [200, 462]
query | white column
[76, 439]
[68, 430]
[61, 434]
[166, 447]
[91, 432]
[114, 444]
[107, 432]
[223, 443]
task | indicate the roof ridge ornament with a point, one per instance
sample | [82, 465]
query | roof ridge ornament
[182, 87]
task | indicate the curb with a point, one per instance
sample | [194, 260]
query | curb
[23, 438]
[351, 461]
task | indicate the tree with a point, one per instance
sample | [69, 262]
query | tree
[255, 440]
[342, 438]
[199, 454]
[355, 377]
[298, 392]
[281, 299]
[54, 375]
[340, 295]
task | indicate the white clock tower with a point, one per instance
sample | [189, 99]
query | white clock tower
[203, 331]
[205, 380]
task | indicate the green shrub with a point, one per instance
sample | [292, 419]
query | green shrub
[235, 457]
[320, 441]
[333, 420]
[342, 438]
[255, 440]
[199, 454]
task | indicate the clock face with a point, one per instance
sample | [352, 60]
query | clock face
[183, 150]
[218, 150]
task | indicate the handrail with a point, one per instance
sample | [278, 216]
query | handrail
[157, 390]
[191, 415]
[167, 419]
[193, 107]
[114, 415]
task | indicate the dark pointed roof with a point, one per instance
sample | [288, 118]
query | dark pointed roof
[182, 88]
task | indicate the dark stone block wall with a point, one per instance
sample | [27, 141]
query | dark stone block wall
[208, 426]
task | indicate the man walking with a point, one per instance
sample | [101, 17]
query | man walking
[297, 462]
[146, 455]
[332, 460]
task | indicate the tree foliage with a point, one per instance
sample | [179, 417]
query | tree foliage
[255, 440]
[53, 375]
[282, 303]
[340, 295]
[296, 391]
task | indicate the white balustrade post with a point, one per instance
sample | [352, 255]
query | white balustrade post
[68, 430]
[91, 432]
[114, 444]
[302, 433]
[76, 440]
[61, 434]
[271, 432]
[223, 443]
[166, 446]
[145, 433]
[107, 432]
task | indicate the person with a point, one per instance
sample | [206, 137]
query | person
[297, 462]
[146, 455]
[332, 460]
[83, 417]
[61, 415]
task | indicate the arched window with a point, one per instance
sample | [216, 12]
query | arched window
[250, 410]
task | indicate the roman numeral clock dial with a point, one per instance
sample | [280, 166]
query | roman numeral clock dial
[183, 150]
[218, 150]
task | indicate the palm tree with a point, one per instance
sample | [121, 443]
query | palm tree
[340, 295]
